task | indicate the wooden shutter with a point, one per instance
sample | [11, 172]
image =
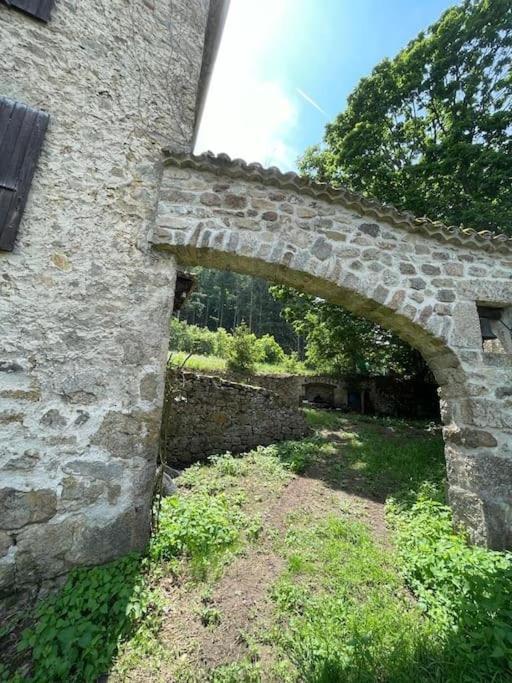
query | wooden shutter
[36, 8]
[22, 131]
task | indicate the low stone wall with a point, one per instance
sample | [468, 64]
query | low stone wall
[204, 415]
[290, 388]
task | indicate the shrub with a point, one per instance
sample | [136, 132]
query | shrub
[269, 350]
[222, 342]
[292, 363]
[199, 527]
[191, 338]
[243, 353]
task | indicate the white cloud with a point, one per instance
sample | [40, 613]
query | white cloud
[248, 113]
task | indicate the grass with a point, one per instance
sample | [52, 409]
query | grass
[343, 613]
[345, 604]
[218, 365]
[389, 456]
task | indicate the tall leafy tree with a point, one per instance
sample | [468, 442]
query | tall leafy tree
[430, 131]
[341, 344]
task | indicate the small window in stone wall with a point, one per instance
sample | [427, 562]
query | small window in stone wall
[496, 328]
[22, 131]
[41, 9]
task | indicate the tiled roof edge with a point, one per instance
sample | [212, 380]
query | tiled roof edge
[238, 168]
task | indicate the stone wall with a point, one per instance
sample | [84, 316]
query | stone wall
[290, 388]
[421, 279]
[204, 415]
[84, 301]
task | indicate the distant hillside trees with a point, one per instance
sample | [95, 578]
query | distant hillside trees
[225, 300]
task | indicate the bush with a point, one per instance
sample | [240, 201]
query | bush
[222, 342]
[466, 590]
[199, 527]
[292, 363]
[243, 353]
[192, 339]
[269, 350]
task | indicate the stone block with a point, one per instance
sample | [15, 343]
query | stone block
[20, 508]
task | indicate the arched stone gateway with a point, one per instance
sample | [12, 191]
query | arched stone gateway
[423, 280]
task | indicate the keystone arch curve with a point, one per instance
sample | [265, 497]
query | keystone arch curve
[418, 278]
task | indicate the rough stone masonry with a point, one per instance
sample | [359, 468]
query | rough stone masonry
[84, 300]
[205, 415]
[86, 294]
[421, 279]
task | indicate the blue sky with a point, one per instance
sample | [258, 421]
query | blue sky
[285, 68]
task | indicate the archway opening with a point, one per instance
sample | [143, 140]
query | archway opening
[291, 365]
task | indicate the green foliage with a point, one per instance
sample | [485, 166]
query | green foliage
[210, 616]
[77, 632]
[297, 456]
[222, 342]
[193, 339]
[224, 299]
[340, 344]
[219, 365]
[243, 353]
[269, 350]
[465, 590]
[238, 672]
[198, 527]
[343, 604]
[199, 341]
[430, 130]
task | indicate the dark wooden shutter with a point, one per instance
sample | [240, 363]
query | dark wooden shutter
[22, 131]
[36, 8]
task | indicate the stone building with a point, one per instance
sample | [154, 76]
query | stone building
[86, 291]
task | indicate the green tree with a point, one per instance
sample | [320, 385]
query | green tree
[339, 343]
[430, 131]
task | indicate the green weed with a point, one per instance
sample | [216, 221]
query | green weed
[238, 672]
[197, 527]
[466, 591]
[347, 616]
[76, 633]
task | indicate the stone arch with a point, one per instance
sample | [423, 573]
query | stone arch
[420, 279]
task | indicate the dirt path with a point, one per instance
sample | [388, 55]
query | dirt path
[240, 598]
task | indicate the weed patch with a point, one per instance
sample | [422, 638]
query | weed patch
[466, 591]
[76, 633]
[198, 527]
[343, 607]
